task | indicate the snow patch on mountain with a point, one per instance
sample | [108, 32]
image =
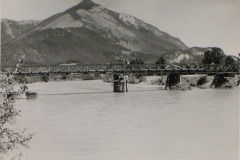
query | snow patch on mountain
[181, 57]
[149, 27]
[100, 17]
[161, 34]
[97, 9]
[8, 28]
[128, 19]
[65, 21]
[126, 52]
[178, 43]
[129, 45]
[197, 53]
[131, 20]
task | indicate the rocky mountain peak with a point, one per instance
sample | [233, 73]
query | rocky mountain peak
[89, 30]
[86, 5]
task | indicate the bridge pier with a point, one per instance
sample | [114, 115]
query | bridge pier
[120, 83]
[220, 79]
[172, 79]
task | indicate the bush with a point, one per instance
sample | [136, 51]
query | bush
[65, 77]
[214, 55]
[10, 139]
[136, 61]
[160, 60]
[45, 78]
[229, 60]
[202, 81]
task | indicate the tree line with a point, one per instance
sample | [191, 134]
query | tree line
[211, 56]
[217, 56]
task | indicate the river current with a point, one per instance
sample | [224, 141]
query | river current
[85, 120]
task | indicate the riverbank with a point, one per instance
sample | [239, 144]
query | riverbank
[189, 81]
[186, 81]
[46, 78]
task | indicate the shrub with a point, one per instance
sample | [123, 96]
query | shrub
[160, 60]
[136, 61]
[214, 55]
[45, 78]
[229, 60]
[9, 138]
[202, 81]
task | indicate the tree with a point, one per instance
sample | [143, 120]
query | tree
[229, 60]
[9, 138]
[214, 55]
[136, 61]
[160, 60]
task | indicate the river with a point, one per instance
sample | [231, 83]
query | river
[85, 120]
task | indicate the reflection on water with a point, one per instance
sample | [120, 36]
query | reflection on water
[85, 120]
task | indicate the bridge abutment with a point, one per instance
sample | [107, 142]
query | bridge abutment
[172, 80]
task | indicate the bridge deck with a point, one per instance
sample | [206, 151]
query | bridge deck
[133, 68]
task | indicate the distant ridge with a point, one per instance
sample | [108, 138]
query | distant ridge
[11, 29]
[88, 33]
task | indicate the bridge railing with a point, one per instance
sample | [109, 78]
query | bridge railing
[126, 68]
[209, 67]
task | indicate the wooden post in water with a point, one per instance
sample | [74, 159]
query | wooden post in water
[125, 83]
[120, 83]
[116, 83]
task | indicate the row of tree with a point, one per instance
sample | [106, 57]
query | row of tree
[160, 60]
[217, 56]
[211, 56]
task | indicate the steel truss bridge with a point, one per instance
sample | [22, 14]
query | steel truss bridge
[183, 69]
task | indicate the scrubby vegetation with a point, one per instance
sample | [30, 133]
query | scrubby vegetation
[217, 56]
[136, 61]
[10, 138]
[160, 60]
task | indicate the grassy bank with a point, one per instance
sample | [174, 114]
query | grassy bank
[45, 78]
[186, 82]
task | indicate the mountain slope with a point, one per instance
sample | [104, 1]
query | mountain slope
[11, 29]
[88, 33]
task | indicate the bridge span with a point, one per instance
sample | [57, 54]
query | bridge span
[119, 72]
[183, 69]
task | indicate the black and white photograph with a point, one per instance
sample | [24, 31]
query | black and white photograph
[119, 80]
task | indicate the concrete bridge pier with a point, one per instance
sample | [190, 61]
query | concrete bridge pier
[120, 83]
[221, 79]
[172, 80]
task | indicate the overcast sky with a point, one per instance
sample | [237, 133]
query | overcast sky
[203, 23]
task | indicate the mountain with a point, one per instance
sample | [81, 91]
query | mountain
[11, 29]
[88, 33]
[191, 55]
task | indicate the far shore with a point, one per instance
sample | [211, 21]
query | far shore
[187, 81]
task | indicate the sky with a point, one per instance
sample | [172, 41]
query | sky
[202, 23]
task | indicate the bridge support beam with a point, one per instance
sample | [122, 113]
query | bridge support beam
[120, 83]
[172, 79]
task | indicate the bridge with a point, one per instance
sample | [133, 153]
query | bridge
[173, 71]
[164, 69]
